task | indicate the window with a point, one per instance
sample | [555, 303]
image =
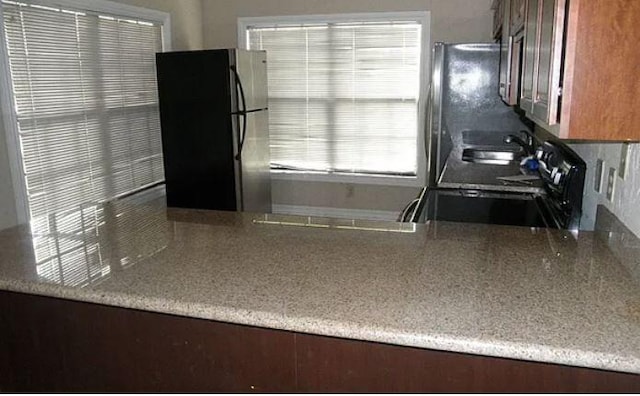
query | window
[343, 91]
[85, 107]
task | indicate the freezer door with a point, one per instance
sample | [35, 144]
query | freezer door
[197, 138]
[252, 70]
[255, 172]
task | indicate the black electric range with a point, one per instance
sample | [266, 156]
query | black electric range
[562, 172]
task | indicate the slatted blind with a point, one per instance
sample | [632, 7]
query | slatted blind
[343, 96]
[85, 102]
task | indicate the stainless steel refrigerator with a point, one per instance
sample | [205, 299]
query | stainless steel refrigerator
[215, 129]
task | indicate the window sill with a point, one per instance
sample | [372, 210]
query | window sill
[353, 178]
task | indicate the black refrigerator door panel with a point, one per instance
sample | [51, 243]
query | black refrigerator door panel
[197, 138]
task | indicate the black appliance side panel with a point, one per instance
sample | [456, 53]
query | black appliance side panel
[197, 139]
[516, 212]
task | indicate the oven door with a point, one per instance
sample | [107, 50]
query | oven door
[474, 206]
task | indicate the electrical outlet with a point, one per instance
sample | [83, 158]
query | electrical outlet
[624, 160]
[611, 184]
[597, 181]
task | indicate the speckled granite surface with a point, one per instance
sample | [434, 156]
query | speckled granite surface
[467, 175]
[492, 290]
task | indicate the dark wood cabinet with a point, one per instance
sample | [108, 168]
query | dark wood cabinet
[509, 15]
[506, 42]
[543, 33]
[338, 365]
[580, 68]
[54, 345]
[579, 59]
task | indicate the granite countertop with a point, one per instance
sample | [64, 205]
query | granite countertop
[514, 292]
[467, 175]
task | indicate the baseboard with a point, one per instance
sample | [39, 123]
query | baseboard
[341, 213]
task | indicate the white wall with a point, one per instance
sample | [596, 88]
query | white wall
[626, 201]
[186, 33]
[376, 202]
[186, 20]
[451, 21]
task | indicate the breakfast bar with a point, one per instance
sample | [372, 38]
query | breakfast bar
[256, 289]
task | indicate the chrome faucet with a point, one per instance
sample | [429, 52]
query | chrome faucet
[527, 146]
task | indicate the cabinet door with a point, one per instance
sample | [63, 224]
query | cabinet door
[515, 67]
[505, 53]
[509, 58]
[530, 55]
[547, 85]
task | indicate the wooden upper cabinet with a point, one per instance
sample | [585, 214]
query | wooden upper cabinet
[505, 51]
[510, 48]
[530, 55]
[581, 68]
[547, 79]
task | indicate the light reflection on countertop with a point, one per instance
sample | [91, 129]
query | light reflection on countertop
[76, 248]
[334, 223]
[516, 292]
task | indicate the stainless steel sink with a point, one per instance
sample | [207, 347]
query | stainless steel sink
[492, 157]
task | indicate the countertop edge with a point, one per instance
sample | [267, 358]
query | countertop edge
[493, 187]
[322, 327]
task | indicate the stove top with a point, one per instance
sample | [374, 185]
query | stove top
[563, 174]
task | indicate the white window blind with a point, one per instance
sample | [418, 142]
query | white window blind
[86, 104]
[343, 96]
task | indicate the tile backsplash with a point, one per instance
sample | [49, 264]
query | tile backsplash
[626, 199]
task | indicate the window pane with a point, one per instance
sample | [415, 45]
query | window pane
[378, 118]
[343, 96]
[86, 104]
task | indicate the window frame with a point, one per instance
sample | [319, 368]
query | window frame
[7, 98]
[422, 17]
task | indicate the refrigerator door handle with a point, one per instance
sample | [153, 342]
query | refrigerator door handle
[240, 113]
